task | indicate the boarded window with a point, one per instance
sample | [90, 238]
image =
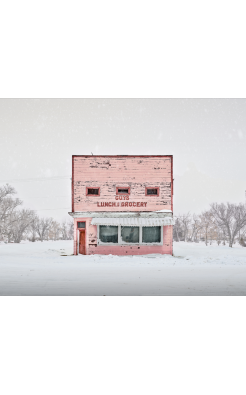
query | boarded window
[93, 191]
[81, 224]
[152, 191]
[151, 234]
[130, 234]
[108, 234]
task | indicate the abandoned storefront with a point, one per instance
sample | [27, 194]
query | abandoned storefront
[122, 205]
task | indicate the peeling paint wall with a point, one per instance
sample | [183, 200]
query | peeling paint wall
[108, 173]
[93, 248]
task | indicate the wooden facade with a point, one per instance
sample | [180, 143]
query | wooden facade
[121, 187]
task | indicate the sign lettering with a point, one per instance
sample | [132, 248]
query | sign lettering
[122, 204]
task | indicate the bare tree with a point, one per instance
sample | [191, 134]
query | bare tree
[8, 205]
[33, 228]
[70, 229]
[196, 225]
[64, 230]
[54, 230]
[67, 229]
[185, 222]
[6, 190]
[177, 230]
[229, 217]
[206, 222]
[43, 225]
[22, 222]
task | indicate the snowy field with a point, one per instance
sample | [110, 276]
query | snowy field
[40, 269]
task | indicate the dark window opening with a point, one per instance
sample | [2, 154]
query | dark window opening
[126, 191]
[93, 191]
[81, 224]
[152, 191]
[108, 234]
[120, 190]
[151, 234]
[130, 234]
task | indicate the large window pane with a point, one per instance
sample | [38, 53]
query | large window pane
[108, 234]
[130, 234]
[151, 234]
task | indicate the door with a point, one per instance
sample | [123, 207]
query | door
[82, 242]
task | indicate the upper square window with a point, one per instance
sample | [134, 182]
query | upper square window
[122, 190]
[92, 191]
[152, 191]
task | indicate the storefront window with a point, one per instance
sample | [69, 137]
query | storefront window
[130, 234]
[151, 234]
[108, 234]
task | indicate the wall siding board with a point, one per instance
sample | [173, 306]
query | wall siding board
[112, 172]
[109, 172]
[93, 248]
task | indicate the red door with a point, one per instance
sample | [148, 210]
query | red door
[82, 242]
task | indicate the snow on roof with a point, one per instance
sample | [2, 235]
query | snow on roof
[133, 221]
[163, 211]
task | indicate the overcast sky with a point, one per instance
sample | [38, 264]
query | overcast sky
[207, 138]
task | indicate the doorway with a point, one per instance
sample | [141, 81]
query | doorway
[82, 241]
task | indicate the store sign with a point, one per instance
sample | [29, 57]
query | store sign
[123, 197]
[121, 204]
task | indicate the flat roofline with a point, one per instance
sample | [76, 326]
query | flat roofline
[120, 156]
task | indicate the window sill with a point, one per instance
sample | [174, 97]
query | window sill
[129, 244]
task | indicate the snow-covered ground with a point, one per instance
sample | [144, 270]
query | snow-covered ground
[40, 269]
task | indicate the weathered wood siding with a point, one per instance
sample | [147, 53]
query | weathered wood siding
[108, 172]
[93, 248]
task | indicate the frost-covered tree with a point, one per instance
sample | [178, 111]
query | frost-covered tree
[206, 223]
[229, 217]
[43, 225]
[33, 228]
[177, 229]
[22, 223]
[70, 229]
[8, 205]
[54, 230]
[196, 226]
[185, 221]
[66, 229]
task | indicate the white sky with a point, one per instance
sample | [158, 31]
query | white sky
[128, 49]
[207, 138]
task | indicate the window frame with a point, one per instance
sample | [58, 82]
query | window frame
[83, 222]
[88, 194]
[158, 191]
[101, 242]
[124, 242]
[121, 242]
[123, 193]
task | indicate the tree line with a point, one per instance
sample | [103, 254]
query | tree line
[221, 223]
[18, 224]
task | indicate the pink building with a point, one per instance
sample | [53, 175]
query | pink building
[122, 205]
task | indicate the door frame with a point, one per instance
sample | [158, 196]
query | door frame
[78, 236]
